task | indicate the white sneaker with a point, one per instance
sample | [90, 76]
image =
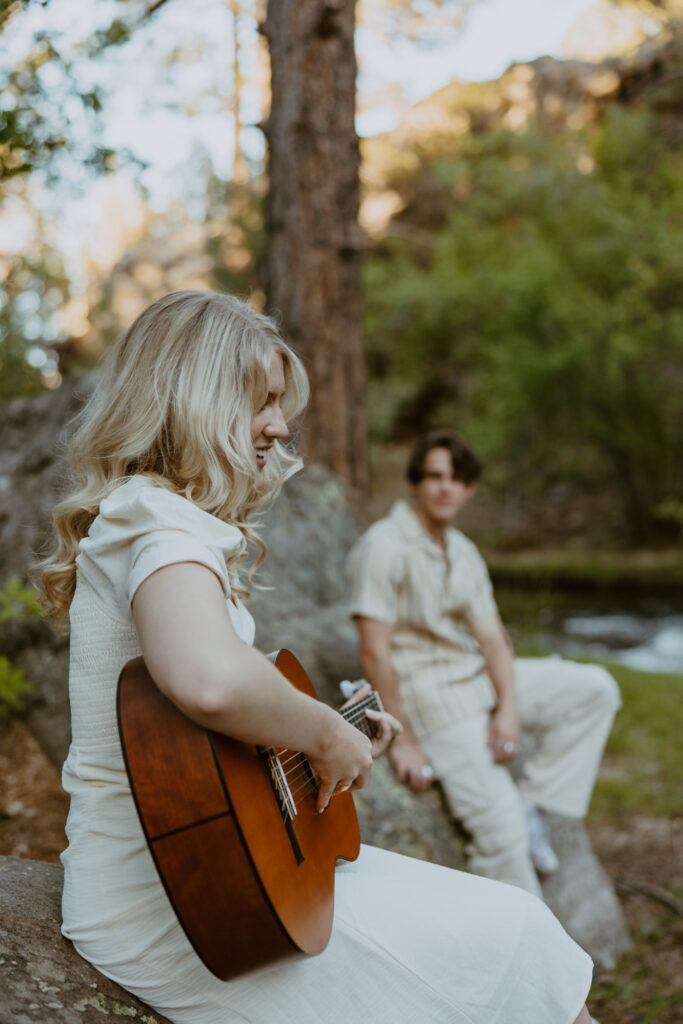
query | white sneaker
[543, 857]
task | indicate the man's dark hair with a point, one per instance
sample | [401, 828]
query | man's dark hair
[466, 465]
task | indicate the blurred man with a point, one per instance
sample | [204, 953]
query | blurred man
[433, 645]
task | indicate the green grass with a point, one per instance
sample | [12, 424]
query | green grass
[644, 758]
[641, 775]
[634, 993]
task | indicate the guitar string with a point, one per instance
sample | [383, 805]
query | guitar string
[356, 718]
[301, 774]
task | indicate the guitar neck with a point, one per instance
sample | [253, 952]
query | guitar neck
[355, 713]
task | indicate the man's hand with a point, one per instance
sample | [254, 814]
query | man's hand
[503, 737]
[410, 765]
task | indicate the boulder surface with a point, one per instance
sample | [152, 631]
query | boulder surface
[43, 980]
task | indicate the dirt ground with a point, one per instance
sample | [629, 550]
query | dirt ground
[645, 860]
[33, 805]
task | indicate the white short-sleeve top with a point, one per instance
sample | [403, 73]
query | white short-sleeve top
[141, 527]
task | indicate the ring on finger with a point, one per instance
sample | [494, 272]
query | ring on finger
[509, 747]
[341, 787]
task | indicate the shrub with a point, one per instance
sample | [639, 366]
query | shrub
[17, 603]
[14, 686]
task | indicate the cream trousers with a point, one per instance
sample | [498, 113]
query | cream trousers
[568, 709]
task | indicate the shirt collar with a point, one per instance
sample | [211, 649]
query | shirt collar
[412, 529]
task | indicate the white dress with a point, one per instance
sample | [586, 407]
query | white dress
[411, 941]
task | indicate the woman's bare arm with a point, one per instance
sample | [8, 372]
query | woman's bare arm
[196, 659]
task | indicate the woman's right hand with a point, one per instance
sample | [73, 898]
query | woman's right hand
[343, 761]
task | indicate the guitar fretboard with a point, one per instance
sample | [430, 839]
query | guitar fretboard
[355, 713]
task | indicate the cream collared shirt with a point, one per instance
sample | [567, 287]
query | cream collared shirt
[401, 576]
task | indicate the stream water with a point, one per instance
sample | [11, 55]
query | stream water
[645, 638]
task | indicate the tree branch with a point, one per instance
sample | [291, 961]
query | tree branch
[153, 8]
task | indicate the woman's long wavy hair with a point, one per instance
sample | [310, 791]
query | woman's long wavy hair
[175, 401]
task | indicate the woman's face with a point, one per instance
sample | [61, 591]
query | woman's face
[268, 425]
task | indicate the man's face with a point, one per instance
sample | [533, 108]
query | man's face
[439, 497]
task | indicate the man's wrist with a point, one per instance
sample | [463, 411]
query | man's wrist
[404, 739]
[507, 701]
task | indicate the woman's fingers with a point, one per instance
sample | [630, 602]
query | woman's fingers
[347, 761]
[324, 796]
[327, 791]
[388, 728]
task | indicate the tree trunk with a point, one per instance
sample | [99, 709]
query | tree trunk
[313, 259]
[239, 166]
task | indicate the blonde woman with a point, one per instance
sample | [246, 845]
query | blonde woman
[180, 443]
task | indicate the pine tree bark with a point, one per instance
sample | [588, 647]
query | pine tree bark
[313, 258]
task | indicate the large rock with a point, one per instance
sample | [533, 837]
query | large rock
[308, 530]
[43, 980]
[32, 434]
[582, 896]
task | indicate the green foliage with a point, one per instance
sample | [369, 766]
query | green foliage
[14, 686]
[235, 234]
[18, 602]
[585, 571]
[50, 132]
[35, 287]
[545, 319]
[671, 510]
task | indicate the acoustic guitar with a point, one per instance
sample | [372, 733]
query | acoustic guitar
[245, 858]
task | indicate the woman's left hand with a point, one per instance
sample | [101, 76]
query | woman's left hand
[388, 727]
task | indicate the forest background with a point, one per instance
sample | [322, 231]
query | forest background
[521, 241]
[520, 277]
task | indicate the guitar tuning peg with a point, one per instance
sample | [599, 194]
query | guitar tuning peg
[348, 688]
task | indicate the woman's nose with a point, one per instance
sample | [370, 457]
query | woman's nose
[277, 425]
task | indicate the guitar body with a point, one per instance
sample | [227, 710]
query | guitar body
[248, 887]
